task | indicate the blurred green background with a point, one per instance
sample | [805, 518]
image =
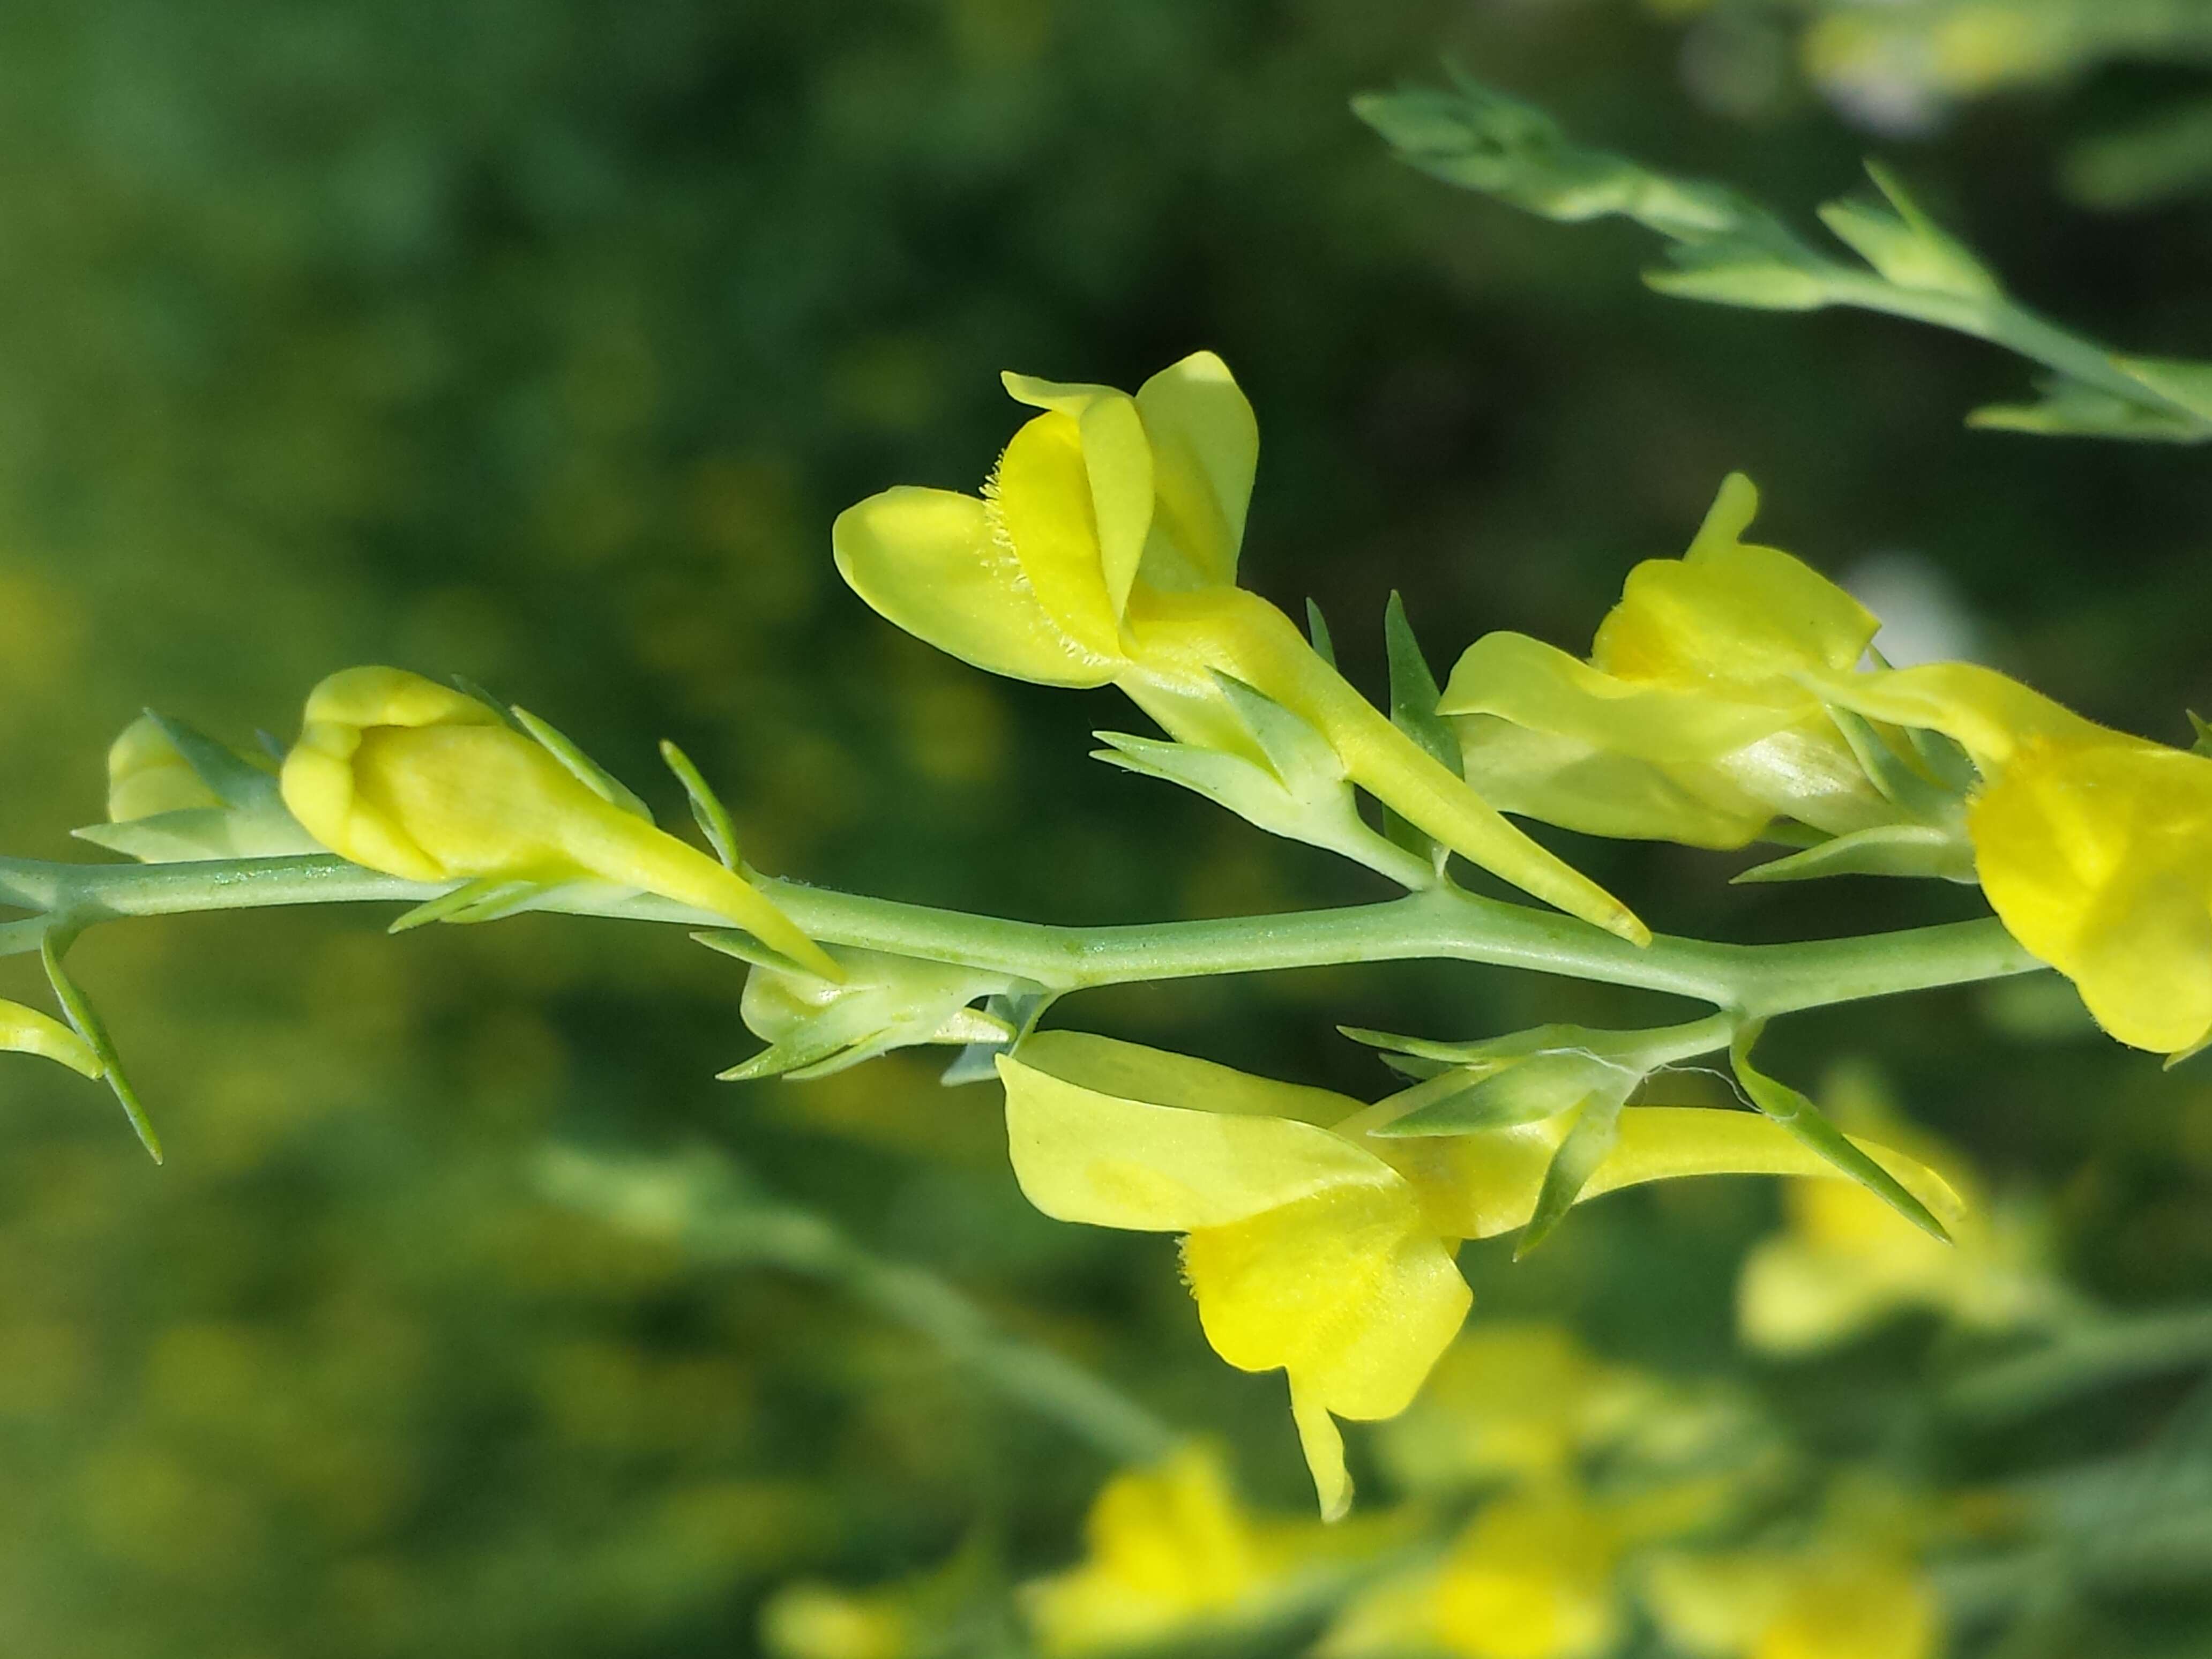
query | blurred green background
[539, 341]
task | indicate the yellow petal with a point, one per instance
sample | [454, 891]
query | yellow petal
[1536, 685]
[392, 696]
[1205, 448]
[1082, 1155]
[927, 560]
[26, 1031]
[1729, 612]
[1477, 1185]
[1038, 501]
[146, 776]
[1564, 782]
[1988, 714]
[1348, 1290]
[1117, 457]
[1134, 1072]
[2098, 858]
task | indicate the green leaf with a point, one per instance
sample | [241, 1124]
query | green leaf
[85, 1020]
[236, 780]
[707, 809]
[585, 770]
[1596, 1130]
[1317, 631]
[1738, 271]
[1889, 849]
[449, 906]
[1466, 1101]
[1802, 1119]
[1905, 244]
[1413, 693]
[2070, 407]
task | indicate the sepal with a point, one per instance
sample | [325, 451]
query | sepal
[815, 1027]
[1302, 793]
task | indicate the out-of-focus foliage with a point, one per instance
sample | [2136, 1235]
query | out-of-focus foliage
[540, 342]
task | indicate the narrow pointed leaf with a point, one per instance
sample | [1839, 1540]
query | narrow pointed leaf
[1587, 1145]
[707, 809]
[1802, 1119]
[1413, 693]
[469, 687]
[1526, 1091]
[747, 949]
[2203, 743]
[585, 770]
[1899, 849]
[85, 1020]
[448, 904]
[1317, 632]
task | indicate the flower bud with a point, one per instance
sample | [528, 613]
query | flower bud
[175, 795]
[402, 775]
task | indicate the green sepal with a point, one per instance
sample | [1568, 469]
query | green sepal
[1317, 633]
[1300, 793]
[85, 1021]
[1889, 849]
[580, 766]
[1899, 782]
[1465, 1100]
[2204, 730]
[238, 783]
[1413, 691]
[1592, 1138]
[707, 809]
[469, 687]
[735, 942]
[1018, 1012]
[497, 895]
[1796, 1113]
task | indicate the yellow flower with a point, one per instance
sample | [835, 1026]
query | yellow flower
[1829, 1601]
[26, 1031]
[1103, 551]
[402, 775]
[1846, 1261]
[1512, 1400]
[1170, 1549]
[1310, 1247]
[1689, 722]
[2093, 846]
[163, 806]
[1531, 1578]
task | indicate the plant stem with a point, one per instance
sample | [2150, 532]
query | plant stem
[1756, 980]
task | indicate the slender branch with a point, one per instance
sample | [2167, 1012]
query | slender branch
[1759, 980]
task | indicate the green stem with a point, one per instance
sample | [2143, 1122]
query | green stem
[1756, 980]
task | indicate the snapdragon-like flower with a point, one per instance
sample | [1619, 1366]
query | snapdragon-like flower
[2093, 846]
[1690, 721]
[1103, 551]
[402, 775]
[1310, 1246]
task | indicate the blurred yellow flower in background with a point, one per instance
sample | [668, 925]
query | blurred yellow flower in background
[1171, 1551]
[1826, 1602]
